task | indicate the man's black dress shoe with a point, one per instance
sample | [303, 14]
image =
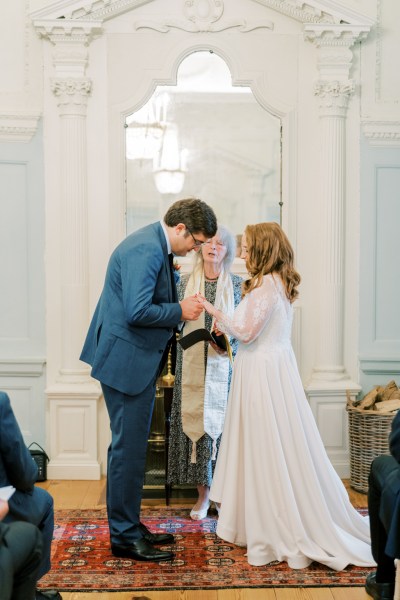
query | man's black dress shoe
[156, 538]
[379, 591]
[47, 595]
[141, 550]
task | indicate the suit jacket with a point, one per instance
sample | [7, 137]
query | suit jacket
[390, 502]
[136, 314]
[17, 466]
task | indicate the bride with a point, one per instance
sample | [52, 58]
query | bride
[280, 496]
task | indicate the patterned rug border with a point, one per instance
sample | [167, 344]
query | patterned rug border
[221, 561]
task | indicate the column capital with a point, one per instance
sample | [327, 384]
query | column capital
[71, 94]
[334, 96]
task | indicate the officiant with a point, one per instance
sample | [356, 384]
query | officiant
[203, 374]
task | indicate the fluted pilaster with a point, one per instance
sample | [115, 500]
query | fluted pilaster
[71, 95]
[333, 90]
[333, 97]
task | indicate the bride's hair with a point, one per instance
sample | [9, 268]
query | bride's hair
[269, 251]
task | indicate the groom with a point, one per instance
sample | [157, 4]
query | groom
[127, 345]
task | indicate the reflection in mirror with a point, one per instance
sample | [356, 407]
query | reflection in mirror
[208, 139]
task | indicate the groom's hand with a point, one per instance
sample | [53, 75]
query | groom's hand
[191, 308]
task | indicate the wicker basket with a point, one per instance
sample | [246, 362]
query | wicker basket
[368, 438]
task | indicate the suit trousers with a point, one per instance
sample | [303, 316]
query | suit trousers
[20, 557]
[130, 419]
[381, 468]
[37, 507]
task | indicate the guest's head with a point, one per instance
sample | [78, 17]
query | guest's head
[219, 251]
[190, 223]
[266, 249]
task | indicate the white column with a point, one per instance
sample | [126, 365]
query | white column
[333, 97]
[73, 397]
[71, 95]
[330, 383]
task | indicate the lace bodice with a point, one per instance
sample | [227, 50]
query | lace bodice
[265, 315]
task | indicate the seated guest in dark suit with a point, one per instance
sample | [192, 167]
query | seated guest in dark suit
[29, 502]
[384, 514]
[20, 557]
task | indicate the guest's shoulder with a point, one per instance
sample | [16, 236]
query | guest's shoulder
[4, 399]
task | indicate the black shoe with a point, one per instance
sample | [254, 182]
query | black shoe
[141, 550]
[156, 538]
[47, 595]
[379, 591]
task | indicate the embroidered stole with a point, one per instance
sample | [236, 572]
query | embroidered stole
[205, 390]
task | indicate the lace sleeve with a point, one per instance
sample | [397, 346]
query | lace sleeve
[252, 314]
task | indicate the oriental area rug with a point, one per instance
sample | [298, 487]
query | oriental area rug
[82, 560]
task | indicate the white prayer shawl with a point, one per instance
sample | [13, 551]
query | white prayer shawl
[205, 391]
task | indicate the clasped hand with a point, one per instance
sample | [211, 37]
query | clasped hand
[191, 308]
[210, 308]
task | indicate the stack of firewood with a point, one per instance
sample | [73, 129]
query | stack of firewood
[385, 399]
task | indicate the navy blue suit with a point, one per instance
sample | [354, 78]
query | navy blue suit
[17, 468]
[384, 504]
[126, 345]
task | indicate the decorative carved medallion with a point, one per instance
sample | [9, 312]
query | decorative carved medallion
[203, 11]
[202, 16]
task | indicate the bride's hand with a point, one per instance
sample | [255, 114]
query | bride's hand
[206, 304]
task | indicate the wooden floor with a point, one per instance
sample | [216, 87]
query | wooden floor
[91, 494]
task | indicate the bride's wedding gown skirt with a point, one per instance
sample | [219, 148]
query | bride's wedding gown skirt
[279, 494]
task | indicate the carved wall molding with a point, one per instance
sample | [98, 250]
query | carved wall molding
[22, 367]
[336, 35]
[203, 26]
[378, 56]
[202, 16]
[382, 133]
[64, 30]
[18, 127]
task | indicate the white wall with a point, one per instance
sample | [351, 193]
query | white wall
[124, 63]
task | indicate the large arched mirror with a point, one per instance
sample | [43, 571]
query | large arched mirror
[204, 137]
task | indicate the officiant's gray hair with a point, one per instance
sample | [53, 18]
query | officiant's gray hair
[229, 241]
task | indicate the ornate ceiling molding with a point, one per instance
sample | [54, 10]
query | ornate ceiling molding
[322, 11]
[18, 127]
[97, 10]
[310, 12]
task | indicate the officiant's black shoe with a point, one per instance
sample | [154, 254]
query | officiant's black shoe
[379, 591]
[156, 538]
[141, 550]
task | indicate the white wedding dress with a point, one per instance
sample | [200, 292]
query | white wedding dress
[279, 494]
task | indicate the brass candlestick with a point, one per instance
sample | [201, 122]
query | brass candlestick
[169, 378]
